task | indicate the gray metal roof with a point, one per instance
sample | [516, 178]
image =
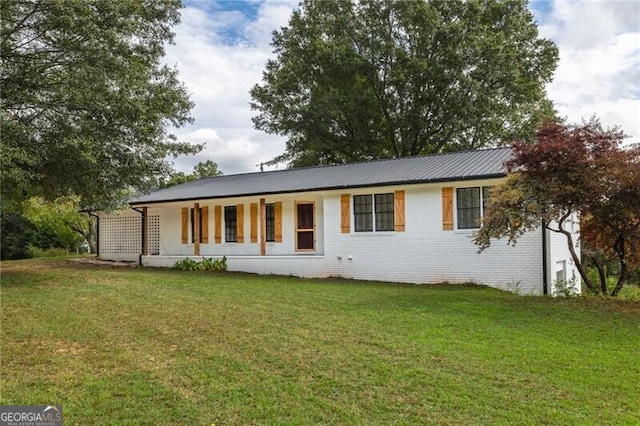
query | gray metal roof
[406, 170]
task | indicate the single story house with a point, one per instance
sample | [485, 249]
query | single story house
[403, 220]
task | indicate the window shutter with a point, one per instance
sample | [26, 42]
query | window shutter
[185, 225]
[345, 214]
[240, 222]
[398, 211]
[278, 221]
[204, 221]
[217, 210]
[447, 209]
[254, 222]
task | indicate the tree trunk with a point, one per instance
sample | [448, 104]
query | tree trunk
[574, 255]
[92, 239]
[619, 247]
[601, 274]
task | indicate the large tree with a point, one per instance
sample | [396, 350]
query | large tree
[85, 98]
[358, 80]
[570, 171]
[203, 169]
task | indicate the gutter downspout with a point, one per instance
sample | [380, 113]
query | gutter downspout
[545, 280]
[143, 234]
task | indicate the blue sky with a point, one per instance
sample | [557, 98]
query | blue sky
[221, 47]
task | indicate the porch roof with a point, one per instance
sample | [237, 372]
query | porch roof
[488, 163]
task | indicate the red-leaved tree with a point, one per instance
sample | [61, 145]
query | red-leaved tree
[581, 170]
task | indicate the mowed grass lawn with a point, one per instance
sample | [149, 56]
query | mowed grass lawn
[145, 346]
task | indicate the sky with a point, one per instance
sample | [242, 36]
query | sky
[221, 47]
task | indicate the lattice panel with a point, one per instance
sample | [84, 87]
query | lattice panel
[153, 234]
[121, 234]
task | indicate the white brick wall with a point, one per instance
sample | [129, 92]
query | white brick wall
[424, 253]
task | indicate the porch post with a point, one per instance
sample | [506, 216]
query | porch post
[196, 229]
[263, 227]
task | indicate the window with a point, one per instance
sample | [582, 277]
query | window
[471, 203]
[370, 210]
[270, 218]
[305, 226]
[231, 224]
[362, 213]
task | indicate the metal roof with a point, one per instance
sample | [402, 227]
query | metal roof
[406, 170]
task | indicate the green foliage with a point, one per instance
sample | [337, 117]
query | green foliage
[16, 235]
[574, 171]
[201, 170]
[565, 288]
[206, 264]
[382, 78]
[55, 223]
[36, 252]
[85, 98]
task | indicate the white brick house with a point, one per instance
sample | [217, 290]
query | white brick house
[402, 220]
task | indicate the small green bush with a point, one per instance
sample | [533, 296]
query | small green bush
[206, 264]
[50, 252]
[565, 288]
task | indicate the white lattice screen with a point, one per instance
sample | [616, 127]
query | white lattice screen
[120, 234]
[153, 234]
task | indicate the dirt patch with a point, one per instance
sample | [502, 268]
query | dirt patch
[94, 261]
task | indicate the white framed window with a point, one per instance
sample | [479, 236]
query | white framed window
[470, 205]
[373, 212]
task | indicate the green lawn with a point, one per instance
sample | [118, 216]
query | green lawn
[144, 346]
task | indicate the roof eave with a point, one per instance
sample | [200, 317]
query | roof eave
[328, 188]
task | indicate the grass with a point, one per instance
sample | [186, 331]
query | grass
[143, 346]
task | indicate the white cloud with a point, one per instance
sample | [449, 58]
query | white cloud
[219, 74]
[599, 69]
[598, 73]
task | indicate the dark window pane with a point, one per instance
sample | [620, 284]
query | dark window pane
[305, 240]
[305, 216]
[468, 207]
[270, 211]
[230, 224]
[384, 212]
[362, 213]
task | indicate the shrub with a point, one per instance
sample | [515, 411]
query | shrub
[206, 264]
[50, 252]
[565, 288]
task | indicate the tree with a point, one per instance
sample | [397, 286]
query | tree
[200, 171]
[59, 224]
[205, 169]
[17, 235]
[85, 99]
[359, 80]
[573, 170]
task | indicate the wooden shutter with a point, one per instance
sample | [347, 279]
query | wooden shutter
[240, 222]
[277, 207]
[217, 211]
[185, 225]
[398, 211]
[204, 219]
[447, 209]
[254, 222]
[345, 213]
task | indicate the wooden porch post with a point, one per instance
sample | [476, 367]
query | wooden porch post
[263, 227]
[196, 229]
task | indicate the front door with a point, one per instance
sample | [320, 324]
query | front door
[305, 227]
